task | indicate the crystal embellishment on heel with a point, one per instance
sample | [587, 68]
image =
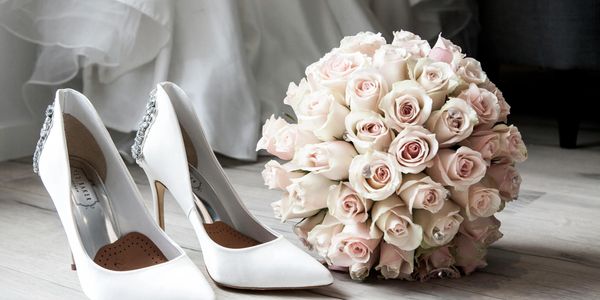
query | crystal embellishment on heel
[138, 144]
[43, 136]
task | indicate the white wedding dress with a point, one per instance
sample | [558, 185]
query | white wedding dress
[234, 58]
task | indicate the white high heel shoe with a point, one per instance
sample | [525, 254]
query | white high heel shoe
[239, 251]
[118, 250]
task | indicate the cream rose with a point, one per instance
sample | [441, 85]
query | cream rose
[436, 263]
[320, 236]
[277, 176]
[304, 197]
[346, 205]
[511, 143]
[323, 113]
[330, 159]
[469, 70]
[375, 175]
[364, 42]
[419, 191]
[392, 63]
[504, 107]
[459, 169]
[453, 123]
[469, 254]
[438, 228]
[507, 179]
[484, 103]
[446, 51]
[302, 228]
[364, 90]
[478, 201]
[282, 139]
[437, 78]
[367, 131]
[334, 69]
[406, 104]
[411, 43]
[355, 244]
[392, 217]
[295, 93]
[482, 230]
[360, 271]
[394, 262]
[485, 142]
[414, 148]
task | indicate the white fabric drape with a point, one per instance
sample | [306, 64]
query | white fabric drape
[234, 58]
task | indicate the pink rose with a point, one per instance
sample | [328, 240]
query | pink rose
[302, 228]
[392, 62]
[511, 143]
[446, 51]
[406, 104]
[375, 175]
[459, 169]
[411, 43]
[414, 148]
[304, 197]
[504, 107]
[484, 103]
[419, 191]
[364, 42]
[478, 201]
[277, 176]
[453, 123]
[323, 113]
[320, 236]
[334, 69]
[392, 217]
[469, 254]
[364, 90]
[330, 159]
[282, 139]
[486, 142]
[295, 93]
[438, 228]
[437, 78]
[482, 230]
[354, 244]
[394, 262]
[507, 180]
[469, 70]
[367, 131]
[346, 205]
[436, 263]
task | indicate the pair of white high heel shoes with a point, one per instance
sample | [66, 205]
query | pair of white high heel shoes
[118, 250]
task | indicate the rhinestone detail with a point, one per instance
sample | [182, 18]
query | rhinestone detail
[43, 137]
[147, 120]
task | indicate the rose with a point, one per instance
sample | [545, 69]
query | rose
[282, 139]
[406, 104]
[469, 254]
[511, 143]
[375, 175]
[322, 112]
[486, 142]
[391, 61]
[320, 236]
[355, 244]
[437, 78]
[507, 180]
[482, 230]
[453, 122]
[306, 225]
[504, 107]
[419, 191]
[414, 149]
[435, 263]
[411, 43]
[277, 176]
[484, 103]
[478, 201]
[446, 51]
[367, 131]
[304, 197]
[295, 93]
[330, 159]
[438, 228]
[394, 262]
[333, 70]
[346, 205]
[364, 90]
[459, 169]
[364, 42]
[469, 70]
[392, 217]
[360, 271]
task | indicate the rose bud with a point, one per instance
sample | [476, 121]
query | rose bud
[355, 244]
[277, 176]
[367, 131]
[392, 217]
[302, 228]
[437, 78]
[478, 201]
[364, 42]
[438, 228]
[295, 93]
[469, 70]
[446, 51]
[507, 180]
[406, 104]
[436, 263]
[282, 139]
[414, 148]
[375, 175]
[411, 43]
[330, 159]
[511, 143]
[419, 191]
[323, 113]
[392, 63]
[394, 262]
[453, 123]
[346, 205]
[320, 236]
[469, 254]
[334, 69]
[459, 169]
[486, 142]
[482, 230]
[304, 197]
[364, 90]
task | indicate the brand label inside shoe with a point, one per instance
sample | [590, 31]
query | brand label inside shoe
[82, 189]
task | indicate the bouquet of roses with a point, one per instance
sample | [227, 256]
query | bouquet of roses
[399, 159]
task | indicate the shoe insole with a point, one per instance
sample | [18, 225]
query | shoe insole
[228, 236]
[132, 251]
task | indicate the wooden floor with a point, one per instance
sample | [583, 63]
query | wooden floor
[550, 249]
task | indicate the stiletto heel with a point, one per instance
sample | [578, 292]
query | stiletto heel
[238, 250]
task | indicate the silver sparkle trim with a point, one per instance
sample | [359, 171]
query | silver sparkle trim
[147, 120]
[43, 137]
